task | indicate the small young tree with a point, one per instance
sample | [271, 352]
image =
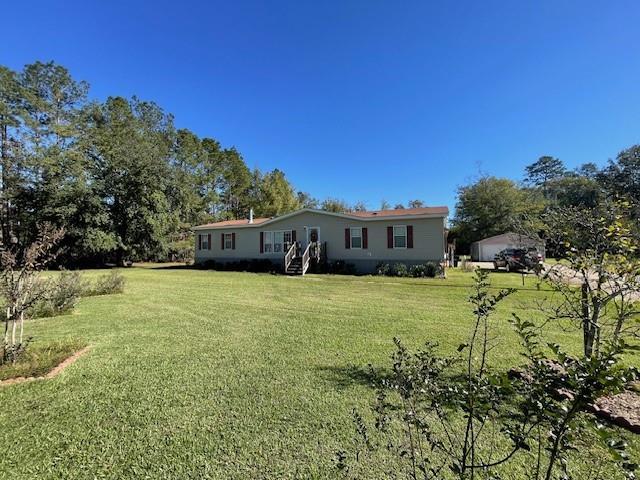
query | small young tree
[21, 287]
[438, 423]
[597, 283]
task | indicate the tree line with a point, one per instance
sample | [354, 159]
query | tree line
[122, 180]
[492, 205]
[117, 175]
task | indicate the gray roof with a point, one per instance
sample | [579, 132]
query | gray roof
[509, 237]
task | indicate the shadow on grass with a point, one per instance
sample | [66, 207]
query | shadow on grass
[174, 267]
[372, 377]
[347, 376]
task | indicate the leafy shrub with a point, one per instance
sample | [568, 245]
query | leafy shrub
[382, 268]
[399, 270]
[418, 271]
[112, 282]
[64, 293]
[429, 269]
[395, 270]
[432, 269]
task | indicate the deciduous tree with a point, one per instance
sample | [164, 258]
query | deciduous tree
[335, 205]
[491, 206]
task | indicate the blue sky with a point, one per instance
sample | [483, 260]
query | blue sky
[362, 100]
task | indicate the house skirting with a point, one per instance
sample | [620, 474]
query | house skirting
[363, 266]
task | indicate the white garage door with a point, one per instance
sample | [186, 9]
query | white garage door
[487, 252]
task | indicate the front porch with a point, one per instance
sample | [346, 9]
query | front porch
[297, 260]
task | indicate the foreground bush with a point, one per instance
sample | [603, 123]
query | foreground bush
[456, 417]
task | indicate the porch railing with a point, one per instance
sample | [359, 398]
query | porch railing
[314, 251]
[306, 258]
[290, 255]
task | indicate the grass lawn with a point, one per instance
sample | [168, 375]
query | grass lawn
[202, 374]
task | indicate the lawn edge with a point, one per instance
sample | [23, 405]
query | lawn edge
[54, 372]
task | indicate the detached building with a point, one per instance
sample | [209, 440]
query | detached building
[484, 250]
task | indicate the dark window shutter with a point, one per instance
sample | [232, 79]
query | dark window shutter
[389, 237]
[293, 236]
[261, 242]
[233, 241]
[409, 236]
[365, 238]
[222, 241]
[347, 238]
[199, 241]
[208, 241]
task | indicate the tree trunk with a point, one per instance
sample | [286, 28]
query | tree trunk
[120, 257]
[13, 337]
[21, 326]
[587, 336]
[6, 335]
[4, 206]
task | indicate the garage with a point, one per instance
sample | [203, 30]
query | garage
[484, 250]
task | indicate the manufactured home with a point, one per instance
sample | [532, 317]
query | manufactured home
[363, 239]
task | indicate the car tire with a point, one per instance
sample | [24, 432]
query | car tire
[495, 266]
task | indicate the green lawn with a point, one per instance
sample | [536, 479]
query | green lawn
[202, 374]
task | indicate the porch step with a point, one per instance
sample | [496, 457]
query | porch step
[295, 267]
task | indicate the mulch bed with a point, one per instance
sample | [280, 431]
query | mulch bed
[52, 373]
[622, 410]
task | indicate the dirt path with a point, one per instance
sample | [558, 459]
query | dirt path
[572, 277]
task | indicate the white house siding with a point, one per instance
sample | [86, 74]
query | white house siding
[428, 240]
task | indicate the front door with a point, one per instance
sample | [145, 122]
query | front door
[313, 234]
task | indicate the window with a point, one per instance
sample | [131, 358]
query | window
[268, 242]
[356, 238]
[204, 242]
[228, 241]
[277, 242]
[400, 236]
